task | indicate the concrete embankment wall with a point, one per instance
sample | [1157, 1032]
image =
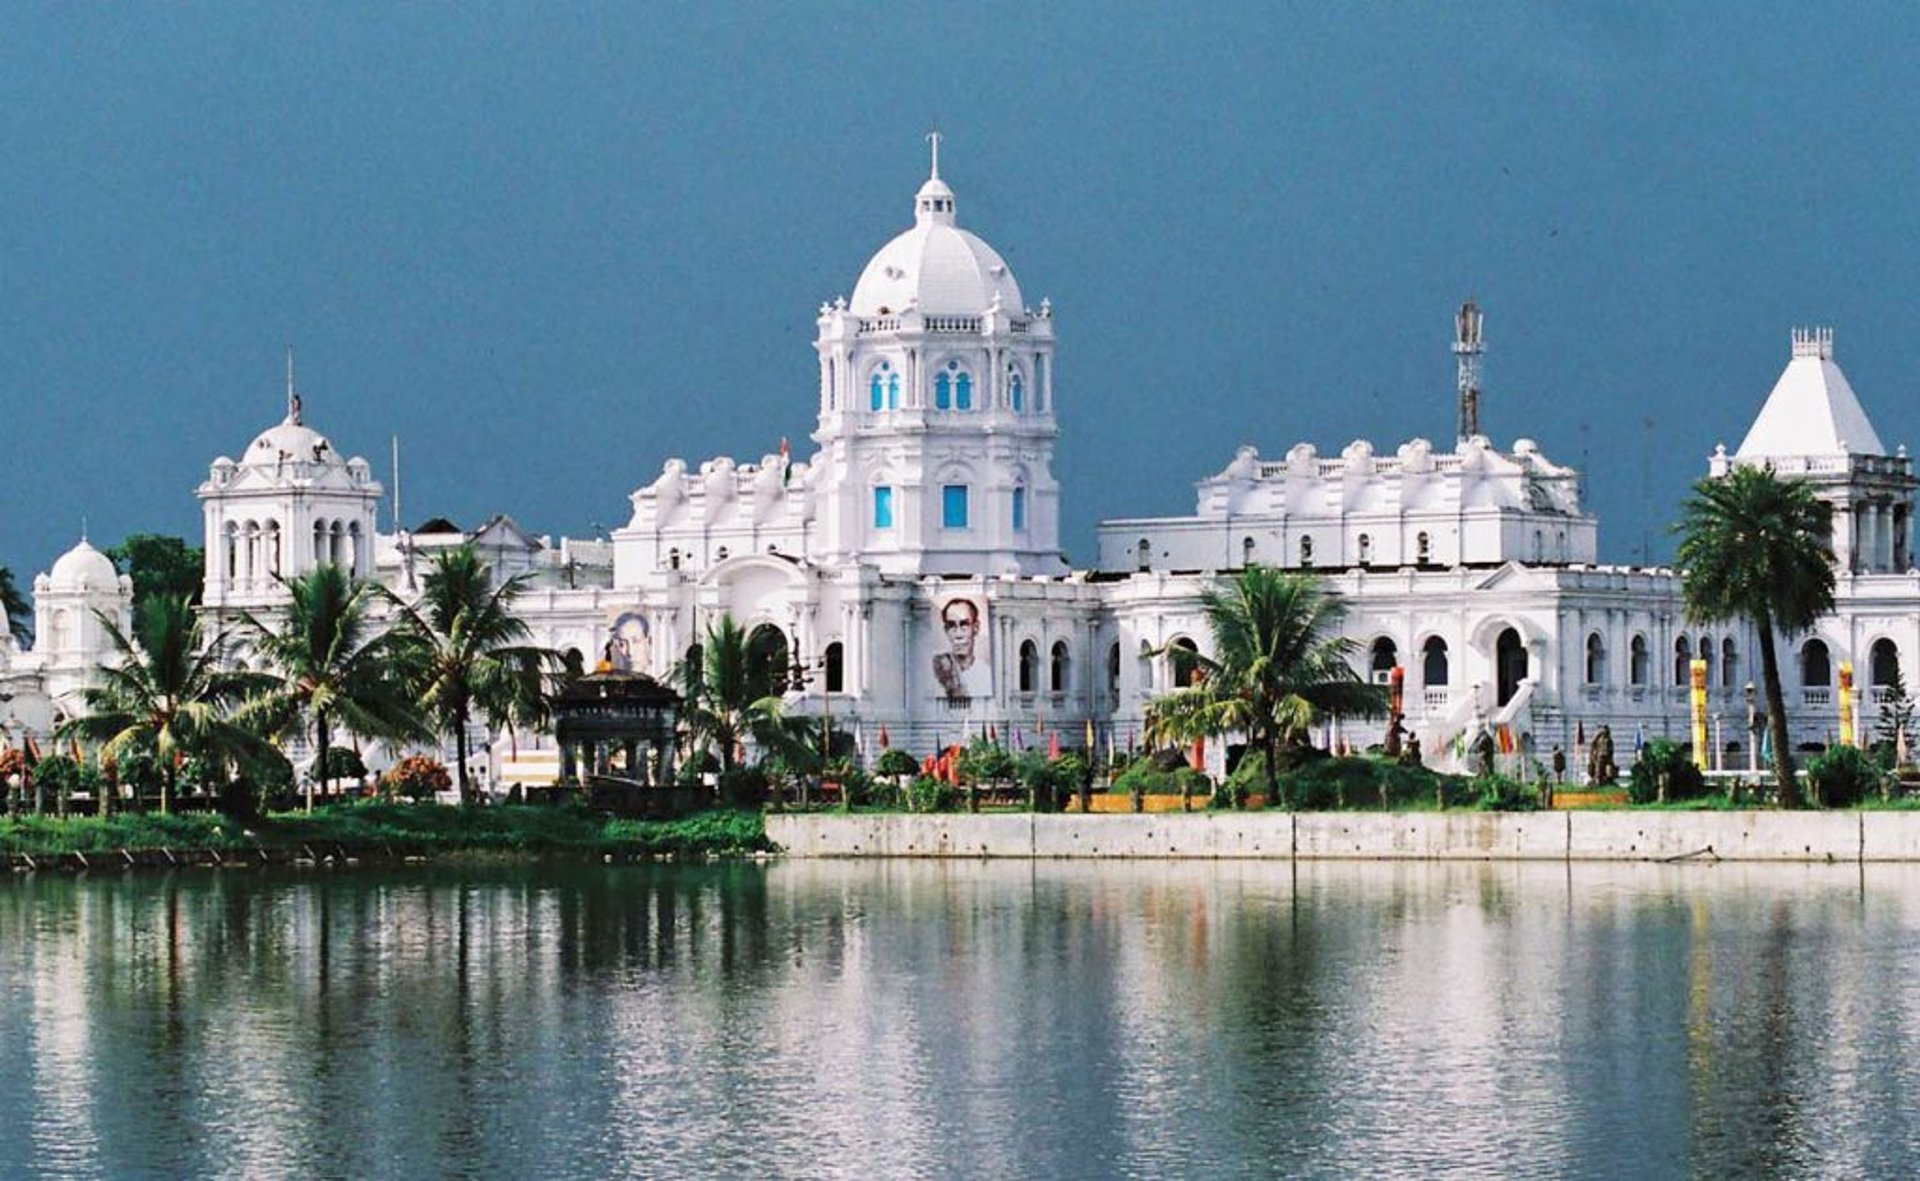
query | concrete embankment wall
[1456, 836]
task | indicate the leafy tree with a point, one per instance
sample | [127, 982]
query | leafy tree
[329, 667]
[1279, 663]
[464, 650]
[1896, 715]
[165, 694]
[14, 603]
[732, 694]
[160, 565]
[1755, 547]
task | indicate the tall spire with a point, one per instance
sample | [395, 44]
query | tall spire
[933, 138]
[1468, 347]
[293, 398]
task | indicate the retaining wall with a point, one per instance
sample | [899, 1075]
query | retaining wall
[1432, 836]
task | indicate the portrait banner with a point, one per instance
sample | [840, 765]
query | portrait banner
[627, 645]
[962, 653]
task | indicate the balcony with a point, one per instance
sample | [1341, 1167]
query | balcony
[1816, 696]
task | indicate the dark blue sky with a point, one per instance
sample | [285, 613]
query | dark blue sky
[549, 247]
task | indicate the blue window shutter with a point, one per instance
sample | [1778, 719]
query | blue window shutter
[875, 390]
[942, 399]
[963, 391]
[953, 506]
[893, 391]
[883, 507]
[1019, 508]
[1017, 391]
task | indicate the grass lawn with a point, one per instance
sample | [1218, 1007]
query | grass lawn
[427, 828]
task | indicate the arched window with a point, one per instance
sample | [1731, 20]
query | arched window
[1058, 668]
[1366, 549]
[1183, 661]
[319, 543]
[1816, 664]
[1682, 657]
[1423, 549]
[1509, 664]
[1146, 667]
[835, 667]
[1113, 671]
[883, 388]
[942, 392]
[1596, 659]
[273, 547]
[1883, 664]
[1729, 664]
[963, 391]
[1381, 659]
[1433, 662]
[573, 664]
[768, 666]
[1029, 665]
[1306, 551]
[696, 663]
[233, 551]
[1019, 508]
[1145, 551]
[1016, 390]
[1706, 654]
[1040, 384]
[673, 558]
[883, 507]
[1637, 661]
[1246, 551]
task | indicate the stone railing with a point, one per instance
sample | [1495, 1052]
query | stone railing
[953, 323]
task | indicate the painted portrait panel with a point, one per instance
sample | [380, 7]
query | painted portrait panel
[962, 654]
[628, 645]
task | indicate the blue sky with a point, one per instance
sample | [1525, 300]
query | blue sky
[550, 246]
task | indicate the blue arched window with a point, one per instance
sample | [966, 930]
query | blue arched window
[1016, 391]
[942, 392]
[1019, 507]
[883, 389]
[963, 391]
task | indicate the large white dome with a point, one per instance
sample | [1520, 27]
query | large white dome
[935, 268]
[291, 441]
[84, 568]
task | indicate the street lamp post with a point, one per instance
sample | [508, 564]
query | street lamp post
[1753, 734]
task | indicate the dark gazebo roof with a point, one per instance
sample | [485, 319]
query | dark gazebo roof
[614, 706]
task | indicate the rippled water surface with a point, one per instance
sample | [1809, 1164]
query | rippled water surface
[994, 1019]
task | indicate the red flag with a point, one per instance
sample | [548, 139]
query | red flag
[1053, 745]
[885, 743]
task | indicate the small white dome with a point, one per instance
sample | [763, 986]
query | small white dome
[935, 268]
[84, 568]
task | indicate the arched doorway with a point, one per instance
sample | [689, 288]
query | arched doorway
[1510, 664]
[767, 661]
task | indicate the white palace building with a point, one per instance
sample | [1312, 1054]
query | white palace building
[912, 562]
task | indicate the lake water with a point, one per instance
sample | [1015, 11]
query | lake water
[979, 1019]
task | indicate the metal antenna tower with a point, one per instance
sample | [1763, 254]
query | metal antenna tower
[1468, 348]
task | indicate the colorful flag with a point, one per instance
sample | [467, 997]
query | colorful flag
[786, 461]
[885, 742]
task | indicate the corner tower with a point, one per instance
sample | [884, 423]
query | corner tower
[936, 418]
[289, 504]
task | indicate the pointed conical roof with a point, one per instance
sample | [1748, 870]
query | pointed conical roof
[1812, 410]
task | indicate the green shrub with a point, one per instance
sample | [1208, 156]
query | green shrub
[343, 762]
[1844, 776]
[1359, 783]
[1664, 759]
[743, 787]
[926, 794]
[1497, 793]
[894, 761]
[1150, 776]
[984, 761]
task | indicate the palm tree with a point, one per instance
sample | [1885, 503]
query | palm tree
[1279, 663]
[166, 694]
[331, 669]
[14, 604]
[731, 693]
[1756, 547]
[465, 651]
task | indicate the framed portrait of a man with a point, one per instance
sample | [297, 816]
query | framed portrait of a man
[961, 651]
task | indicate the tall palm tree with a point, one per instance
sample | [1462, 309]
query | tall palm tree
[166, 694]
[731, 693]
[1756, 547]
[1279, 663]
[331, 669]
[19, 613]
[465, 651]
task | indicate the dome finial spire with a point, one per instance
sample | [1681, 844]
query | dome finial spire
[293, 398]
[933, 138]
